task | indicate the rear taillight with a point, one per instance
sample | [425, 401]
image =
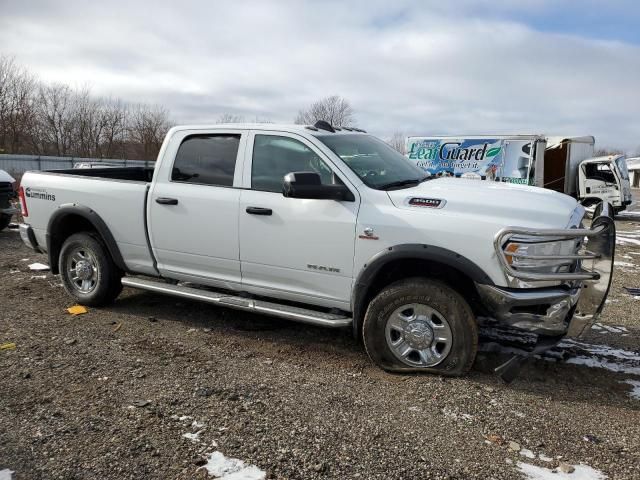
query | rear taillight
[23, 202]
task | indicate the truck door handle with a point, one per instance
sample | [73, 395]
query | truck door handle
[259, 211]
[167, 201]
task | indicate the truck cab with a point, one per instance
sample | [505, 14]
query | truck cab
[605, 179]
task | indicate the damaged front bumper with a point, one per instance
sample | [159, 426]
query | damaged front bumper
[538, 310]
[573, 306]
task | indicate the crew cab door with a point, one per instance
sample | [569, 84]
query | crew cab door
[292, 248]
[193, 207]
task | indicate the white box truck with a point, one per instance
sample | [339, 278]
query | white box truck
[565, 164]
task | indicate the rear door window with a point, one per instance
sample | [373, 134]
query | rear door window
[207, 159]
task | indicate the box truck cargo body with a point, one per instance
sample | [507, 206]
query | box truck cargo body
[562, 157]
[510, 159]
[561, 163]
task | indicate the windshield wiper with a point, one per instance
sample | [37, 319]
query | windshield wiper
[403, 183]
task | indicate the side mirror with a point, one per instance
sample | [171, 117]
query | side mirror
[309, 185]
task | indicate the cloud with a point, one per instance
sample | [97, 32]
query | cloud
[422, 68]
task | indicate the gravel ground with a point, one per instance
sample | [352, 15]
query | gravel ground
[106, 395]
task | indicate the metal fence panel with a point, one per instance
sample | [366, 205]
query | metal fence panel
[18, 164]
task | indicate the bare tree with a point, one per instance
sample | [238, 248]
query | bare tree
[54, 119]
[604, 151]
[259, 119]
[56, 111]
[230, 118]
[334, 109]
[398, 141]
[17, 88]
[147, 129]
[90, 125]
[114, 135]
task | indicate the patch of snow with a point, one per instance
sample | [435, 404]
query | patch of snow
[194, 437]
[14, 270]
[592, 362]
[620, 240]
[623, 264]
[525, 452]
[6, 474]
[609, 328]
[544, 458]
[185, 417]
[38, 267]
[197, 424]
[602, 356]
[632, 214]
[582, 472]
[579, 353]
[456, 416]
[225, 468]
[37, 277]
[635, 392]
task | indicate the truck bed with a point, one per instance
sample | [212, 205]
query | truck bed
[117, 195]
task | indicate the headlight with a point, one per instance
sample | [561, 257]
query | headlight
[533, 255]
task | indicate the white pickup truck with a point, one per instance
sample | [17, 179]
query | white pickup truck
[330, 227]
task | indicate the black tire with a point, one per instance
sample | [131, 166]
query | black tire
[5, 220]
[447, 303]
[106, 275]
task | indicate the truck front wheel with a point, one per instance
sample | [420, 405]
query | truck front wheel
[421, 325]
[87, 270]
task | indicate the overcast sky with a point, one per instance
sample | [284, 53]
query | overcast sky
[425, 67]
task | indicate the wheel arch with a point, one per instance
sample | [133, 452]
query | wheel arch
[411, 260]
[73, 218]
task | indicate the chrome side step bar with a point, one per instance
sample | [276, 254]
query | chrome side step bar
[287, 312]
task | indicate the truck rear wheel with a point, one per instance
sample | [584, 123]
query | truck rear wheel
[87, 270]
[420, 325]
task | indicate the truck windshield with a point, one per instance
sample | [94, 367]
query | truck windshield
[377, 164]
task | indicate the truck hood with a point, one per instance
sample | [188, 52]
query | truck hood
[510, 204]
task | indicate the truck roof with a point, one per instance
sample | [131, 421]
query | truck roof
[481, 137]
[290, 128]
[574, 139]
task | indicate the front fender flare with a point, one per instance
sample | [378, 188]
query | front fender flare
[408, 251]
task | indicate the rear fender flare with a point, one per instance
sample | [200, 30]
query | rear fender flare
[54, 242]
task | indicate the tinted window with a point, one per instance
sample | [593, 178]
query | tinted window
[274, 157]
[207, 159]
